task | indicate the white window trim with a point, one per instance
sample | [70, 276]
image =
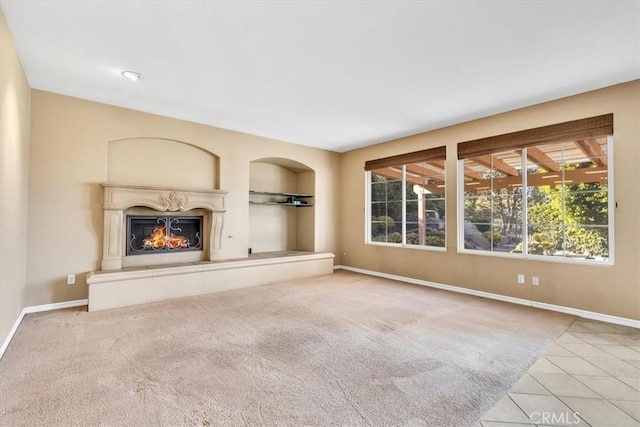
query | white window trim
[611, 194]
[404, 245]
[545, 258]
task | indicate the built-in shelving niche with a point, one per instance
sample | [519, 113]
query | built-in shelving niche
[278, 189]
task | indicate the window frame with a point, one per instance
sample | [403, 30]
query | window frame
[403, 243]
[611, 205]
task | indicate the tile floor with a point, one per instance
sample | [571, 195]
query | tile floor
[589, 377]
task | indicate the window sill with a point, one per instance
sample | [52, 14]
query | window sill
[400, 246]
[544, 258]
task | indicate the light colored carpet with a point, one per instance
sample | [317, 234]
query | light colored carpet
[343, 349]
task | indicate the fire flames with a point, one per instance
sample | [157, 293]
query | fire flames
[160, 240]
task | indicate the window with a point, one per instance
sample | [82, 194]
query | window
[540, 193]
[406, 199]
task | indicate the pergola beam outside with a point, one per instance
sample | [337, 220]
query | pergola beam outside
[597, 174]
[593, 151]
[414, 169]
[538, 157]
[396, 174]
[437, 163]
[498, 165]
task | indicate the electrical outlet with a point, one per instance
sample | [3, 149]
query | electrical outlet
[535, 281]
[521, 279]
[71, 279]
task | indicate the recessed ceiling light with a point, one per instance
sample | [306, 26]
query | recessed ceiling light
[132, 75]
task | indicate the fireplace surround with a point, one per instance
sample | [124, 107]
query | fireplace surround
[171, 208]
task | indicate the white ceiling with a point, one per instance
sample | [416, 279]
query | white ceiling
[335, 75]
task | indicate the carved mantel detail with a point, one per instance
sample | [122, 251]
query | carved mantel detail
[174, 201]
[119, 197]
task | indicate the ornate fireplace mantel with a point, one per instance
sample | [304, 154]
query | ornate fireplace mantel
[119, 197]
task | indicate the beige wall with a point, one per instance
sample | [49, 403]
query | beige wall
[69, 156]
[612, 290]
[306, 216]
[14, 166]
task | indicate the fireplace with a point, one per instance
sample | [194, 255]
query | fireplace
[148, 226]
[161, 234]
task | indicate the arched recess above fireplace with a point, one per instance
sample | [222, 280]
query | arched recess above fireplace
[162, 162]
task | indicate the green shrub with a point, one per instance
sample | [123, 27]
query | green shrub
[394, 237]
[496, 235]
[412, 239]
[537, 245]
[379, 227]
[434, 233]
[434, 241]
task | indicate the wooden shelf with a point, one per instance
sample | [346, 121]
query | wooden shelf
[291, 199]
[298, 205]
[268, 193]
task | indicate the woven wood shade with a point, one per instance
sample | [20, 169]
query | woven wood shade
[592, 127]
[438, 153]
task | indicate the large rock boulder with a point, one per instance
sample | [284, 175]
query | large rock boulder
[474, 237]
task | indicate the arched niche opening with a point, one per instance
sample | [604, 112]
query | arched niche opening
[159, 161]
[281, 206]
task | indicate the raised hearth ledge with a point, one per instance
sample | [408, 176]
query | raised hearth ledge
[111, 289]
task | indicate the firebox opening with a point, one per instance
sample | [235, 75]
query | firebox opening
[148, 234]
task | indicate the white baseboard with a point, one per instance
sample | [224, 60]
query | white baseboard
[559, 308]
[6, 342]
[56, 306]
[38, 309]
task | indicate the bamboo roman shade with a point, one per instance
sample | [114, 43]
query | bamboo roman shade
[592, 127]
[438, 153]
